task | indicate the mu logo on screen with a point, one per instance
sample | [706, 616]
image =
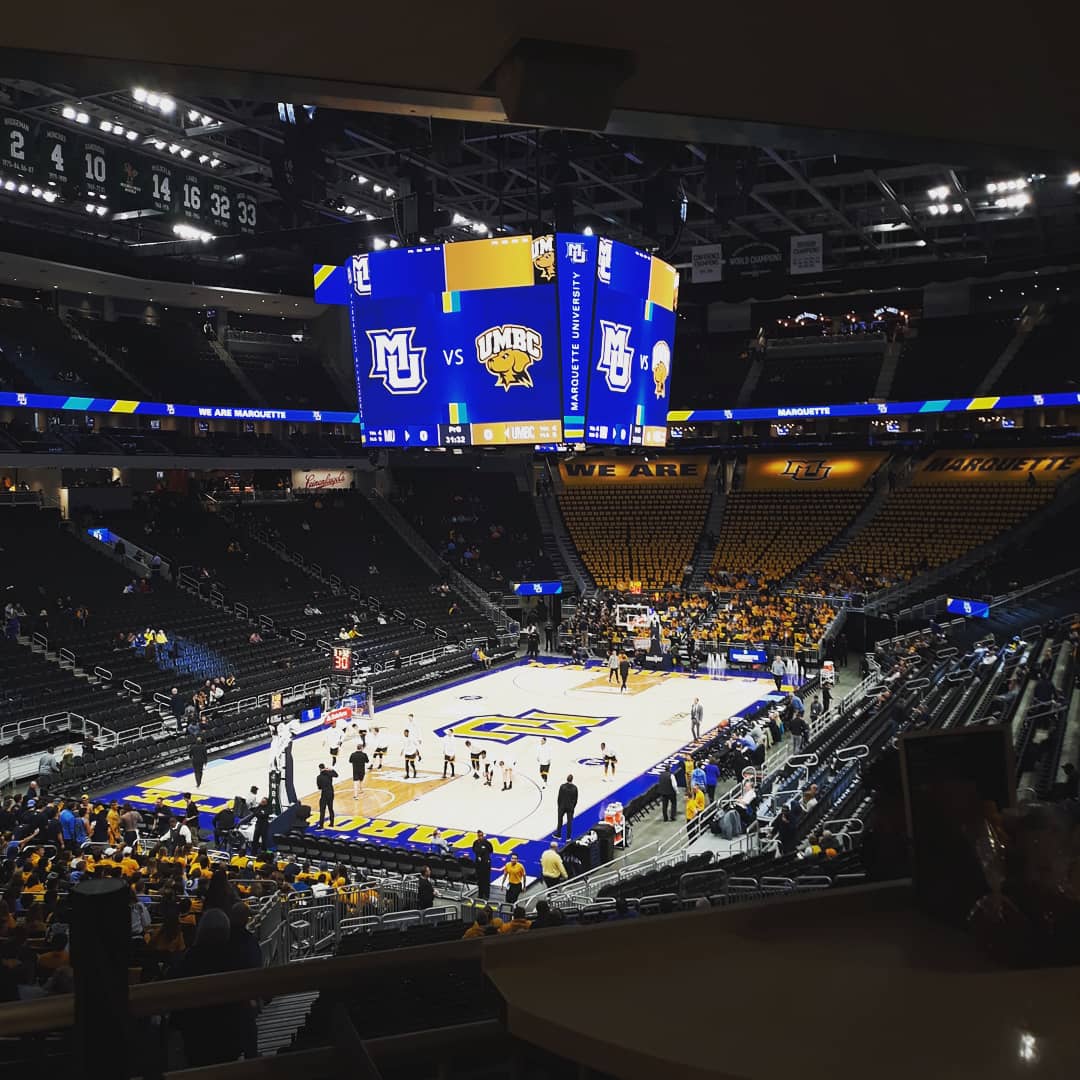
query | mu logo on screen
[396, 361]
[616, 361]
[497, 727]
[807, 469]
[508, 352]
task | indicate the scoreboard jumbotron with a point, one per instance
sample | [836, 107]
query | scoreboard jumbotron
[512, 340]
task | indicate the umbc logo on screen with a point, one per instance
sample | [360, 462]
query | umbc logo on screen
[396, 361]
[661, 366]
[543, 257]
[616, 361]
[497, 727]
[508, 352]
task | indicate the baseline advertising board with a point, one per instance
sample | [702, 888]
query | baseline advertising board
[518, 339]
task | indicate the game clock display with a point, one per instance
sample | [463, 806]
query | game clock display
[514, 340]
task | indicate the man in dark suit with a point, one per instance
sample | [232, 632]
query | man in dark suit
[425, 890]
[666, 782]
[325, 784]
[482, 852]
[568, 797]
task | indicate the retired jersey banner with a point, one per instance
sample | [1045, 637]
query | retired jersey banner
[657, 471]
[810, 472]
[1039, 466]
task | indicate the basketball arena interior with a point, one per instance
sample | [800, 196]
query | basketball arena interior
[537, 545]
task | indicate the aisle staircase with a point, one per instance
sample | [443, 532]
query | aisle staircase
[887, 372]
[237, 372]
[1032, 316]
[104, 357]
[706, 545]
[843, 538]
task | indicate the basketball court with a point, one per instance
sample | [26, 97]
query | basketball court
[504, 713]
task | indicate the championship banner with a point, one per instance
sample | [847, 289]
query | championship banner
[706, 263]
[666, 471]
[813, 472]
[807, 255]
[322, 479]
[1038, 465]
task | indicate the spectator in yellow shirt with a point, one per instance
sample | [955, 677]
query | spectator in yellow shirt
[695, 803]
[513, 878]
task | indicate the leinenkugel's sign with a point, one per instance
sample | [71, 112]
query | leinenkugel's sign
[322, 479]
[810, 472]
[1045, 466]
[671, 471]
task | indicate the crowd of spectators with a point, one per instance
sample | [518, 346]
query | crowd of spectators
[691, 623]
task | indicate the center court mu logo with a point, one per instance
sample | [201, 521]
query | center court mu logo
[497, 727]
[807, 469]
[616, 356]
[508, 352]
[396, 361]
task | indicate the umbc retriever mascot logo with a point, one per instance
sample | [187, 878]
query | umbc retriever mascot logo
[543, 257]
[661, 367]
[508, 352]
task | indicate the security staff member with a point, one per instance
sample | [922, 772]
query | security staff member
[482, 852]
[325, 783]
[568, 797]
[666, 782]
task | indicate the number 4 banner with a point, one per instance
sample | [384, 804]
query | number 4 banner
[56, 164]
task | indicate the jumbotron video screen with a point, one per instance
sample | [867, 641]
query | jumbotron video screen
[517, 339]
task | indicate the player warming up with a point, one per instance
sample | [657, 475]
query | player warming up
[335, 736]
[474, 759]
[410, 751]
[543, 760]
[507, 768]
[610, 761]
[449, 756]
[379, 748]
[612, 666]
[358, 760]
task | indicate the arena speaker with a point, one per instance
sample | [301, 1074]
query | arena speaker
[554, 84]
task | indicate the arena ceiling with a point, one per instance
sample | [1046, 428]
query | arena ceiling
[763, 128]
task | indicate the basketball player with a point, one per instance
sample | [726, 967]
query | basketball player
[410, 750]
[358, 760]
[612, 666]
[335, 736]
[543, 759]
[489, 769]
[474, 759]
[608, 754]
[507, 768]
[379, 741]
[624, 671]
[449, 755]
